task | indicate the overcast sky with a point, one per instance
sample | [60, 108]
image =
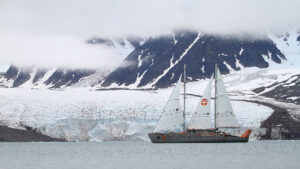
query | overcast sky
[54, 32]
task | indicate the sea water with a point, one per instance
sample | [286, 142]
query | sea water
[144, 155]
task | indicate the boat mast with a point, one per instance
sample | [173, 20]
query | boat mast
[215, 105]
[184, 96]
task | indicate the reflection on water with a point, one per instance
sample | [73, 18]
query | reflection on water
[144, 155]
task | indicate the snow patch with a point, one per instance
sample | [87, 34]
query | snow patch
[174, 39]
[202, 68]
[229, 67]
[140, 60]
[241, 51]
[177, 61]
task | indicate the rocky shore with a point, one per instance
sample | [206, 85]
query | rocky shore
[29, 135]
[280, 125]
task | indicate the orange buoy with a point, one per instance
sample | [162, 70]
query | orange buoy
[204, 102]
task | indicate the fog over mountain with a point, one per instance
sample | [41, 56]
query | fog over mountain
[53, 33]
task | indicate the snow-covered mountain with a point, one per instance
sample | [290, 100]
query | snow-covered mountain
[289, 44]
[34, 77]
[287, 90]
[60, 77]
[159, 61]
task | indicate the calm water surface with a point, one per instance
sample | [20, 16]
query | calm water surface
[144, 155]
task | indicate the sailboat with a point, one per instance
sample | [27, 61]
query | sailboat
[171, 127]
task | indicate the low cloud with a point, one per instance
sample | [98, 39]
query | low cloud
[52, 51]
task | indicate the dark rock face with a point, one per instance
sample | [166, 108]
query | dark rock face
[67, 77]
[18, 75]
[39, 75]
[298, 39]
[22, 77]
[286, 91]
[12, 72]
[159, 61]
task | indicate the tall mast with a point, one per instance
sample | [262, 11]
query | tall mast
[216, 81]
[184, 96]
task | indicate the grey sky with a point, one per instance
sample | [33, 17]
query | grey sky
[42, 32]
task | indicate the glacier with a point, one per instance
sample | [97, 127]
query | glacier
[80, 114]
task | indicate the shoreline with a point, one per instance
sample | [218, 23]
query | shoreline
[279, 125]
[8, 134]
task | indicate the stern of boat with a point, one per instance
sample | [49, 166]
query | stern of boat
[246, 134]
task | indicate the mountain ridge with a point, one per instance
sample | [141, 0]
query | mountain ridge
[159, 62]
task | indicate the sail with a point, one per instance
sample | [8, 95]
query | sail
[201, 117]
[224, 114]
[172, 116]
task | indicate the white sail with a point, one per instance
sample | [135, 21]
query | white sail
[224, 114]
[172, 116]
[201, 117]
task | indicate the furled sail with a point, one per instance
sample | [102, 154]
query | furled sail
[201, 117]
[172, 116]
[224, 113]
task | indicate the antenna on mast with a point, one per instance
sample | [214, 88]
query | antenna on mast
[184, 95]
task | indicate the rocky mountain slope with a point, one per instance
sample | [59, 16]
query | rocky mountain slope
[287, 90]
[159, 61]
[38, 77]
